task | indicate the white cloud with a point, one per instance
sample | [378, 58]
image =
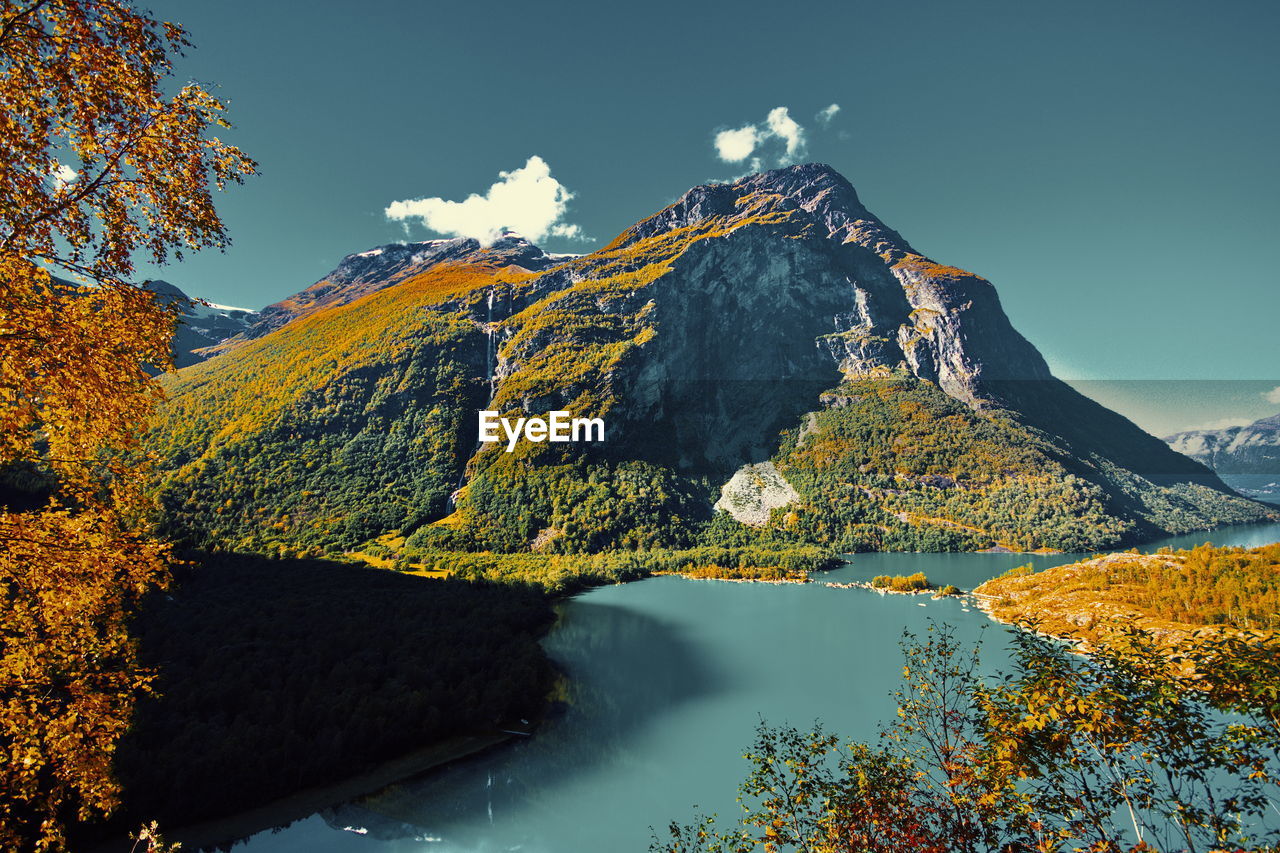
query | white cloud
[734, 146]
[1272, 396]
[62, 175]
[826, 114]
[569, 232]
[750, 141]
[527, 200]
[783, 126]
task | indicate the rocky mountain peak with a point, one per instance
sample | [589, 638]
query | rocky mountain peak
[397, 261]
[816, 190]
[1271, 423]
[202, 327]
[815, 187]
[1246, 457]
[362, 273]
[165, 289]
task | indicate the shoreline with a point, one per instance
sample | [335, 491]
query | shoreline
[774, 581]
[1085, 616]
[301, 805]
[982, 603]
[932, 592]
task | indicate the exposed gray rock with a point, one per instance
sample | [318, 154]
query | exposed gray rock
[753, 492]
[885, 305]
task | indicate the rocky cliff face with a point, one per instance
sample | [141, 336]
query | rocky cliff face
[771, 320]
[1246, 457]
[777, 287]
[201, 326]
[879, 303]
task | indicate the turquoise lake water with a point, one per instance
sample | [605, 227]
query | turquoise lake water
[669, 679]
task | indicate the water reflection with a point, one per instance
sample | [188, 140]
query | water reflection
[599, 716]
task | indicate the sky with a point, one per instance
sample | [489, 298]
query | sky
[1109, 166]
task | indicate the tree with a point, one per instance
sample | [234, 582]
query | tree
[1125, 750]
[98, 164]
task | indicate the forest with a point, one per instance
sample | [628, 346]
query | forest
[289, 470]
[560, 574]
[895, 464]
[884, 464]
[277, 675]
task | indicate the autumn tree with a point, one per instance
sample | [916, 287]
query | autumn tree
[1139, 746]
[102, 160]
[922, 788]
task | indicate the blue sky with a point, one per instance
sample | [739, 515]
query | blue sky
[1109, 166]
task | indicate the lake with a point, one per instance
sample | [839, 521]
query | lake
[669, 678]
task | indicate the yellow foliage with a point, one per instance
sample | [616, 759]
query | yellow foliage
[98, 164]
[1171, 594]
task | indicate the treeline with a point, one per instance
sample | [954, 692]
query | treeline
[282, 675]
[564, 573]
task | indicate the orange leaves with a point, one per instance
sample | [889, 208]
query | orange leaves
[67, 678]
[82, 84]
[1171, 592]
[71, 377]
[97, 163]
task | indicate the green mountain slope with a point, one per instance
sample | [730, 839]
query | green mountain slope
[774, 319]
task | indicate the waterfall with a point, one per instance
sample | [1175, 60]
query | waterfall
[490, 357]
[491, 348]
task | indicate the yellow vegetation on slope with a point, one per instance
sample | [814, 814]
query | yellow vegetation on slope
[1169, 593]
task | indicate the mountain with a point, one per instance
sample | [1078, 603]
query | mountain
[362, 273]
[201, 325]
[1245, 457]
[773, 322]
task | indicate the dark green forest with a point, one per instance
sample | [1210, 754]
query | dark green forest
[281, 675]
[566, 573]
[883, 464]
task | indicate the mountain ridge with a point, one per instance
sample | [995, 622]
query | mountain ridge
[202, 326]
[722, 331]
[1245, 457]
[361, 273]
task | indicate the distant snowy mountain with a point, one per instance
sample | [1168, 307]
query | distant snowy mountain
[202, 325]
[1247, 458]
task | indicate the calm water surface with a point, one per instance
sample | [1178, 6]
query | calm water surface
[669, 678]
